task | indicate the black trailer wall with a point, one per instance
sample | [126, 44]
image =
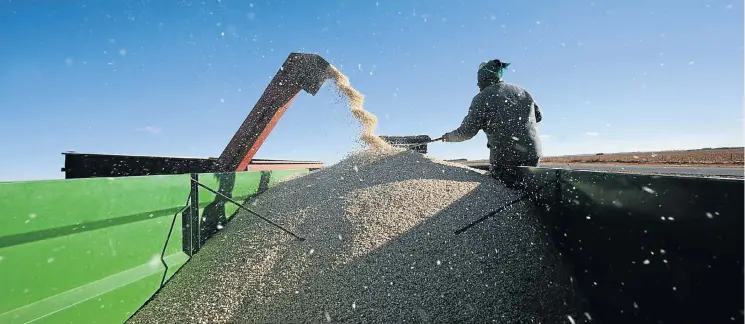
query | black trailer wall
[648, 249]
[104, 165]
[80, 165]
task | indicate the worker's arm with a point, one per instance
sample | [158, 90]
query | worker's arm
[470, 125]
[538, 115]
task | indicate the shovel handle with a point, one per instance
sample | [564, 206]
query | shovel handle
[423, 143]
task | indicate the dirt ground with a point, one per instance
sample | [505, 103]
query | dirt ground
[720, 157]
[691, 165]
[715, 157]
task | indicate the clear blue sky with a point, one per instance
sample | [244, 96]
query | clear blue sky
[178, 77]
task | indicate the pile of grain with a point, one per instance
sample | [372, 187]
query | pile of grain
[379, 248]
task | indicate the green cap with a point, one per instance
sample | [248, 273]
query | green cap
[492, 69]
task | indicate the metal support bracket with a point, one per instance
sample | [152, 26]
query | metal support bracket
[190, 220]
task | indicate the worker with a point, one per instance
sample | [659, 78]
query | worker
[508, 115]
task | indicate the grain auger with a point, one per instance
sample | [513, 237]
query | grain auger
[300, 71]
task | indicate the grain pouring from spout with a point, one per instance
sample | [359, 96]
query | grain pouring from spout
[356, 100]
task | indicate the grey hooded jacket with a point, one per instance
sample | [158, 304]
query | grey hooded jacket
[508, 115]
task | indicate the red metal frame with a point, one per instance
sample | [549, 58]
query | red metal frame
[299, 72]
[264, 134]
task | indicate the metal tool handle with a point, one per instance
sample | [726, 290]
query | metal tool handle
[422, 143]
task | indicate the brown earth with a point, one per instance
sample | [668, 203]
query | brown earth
[716, 157]
[720, 157]
[692, 165]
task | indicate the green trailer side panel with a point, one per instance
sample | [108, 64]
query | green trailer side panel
[239, 186]
[61, 235]
[105, 301]
[61, 206]
[91, 248]
[251, 181]
[113, 307]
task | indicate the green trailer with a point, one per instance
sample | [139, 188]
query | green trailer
[94, 250]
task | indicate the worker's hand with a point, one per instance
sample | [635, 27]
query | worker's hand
[445, 138]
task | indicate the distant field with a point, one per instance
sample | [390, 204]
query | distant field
[719, 157]
[703, 157]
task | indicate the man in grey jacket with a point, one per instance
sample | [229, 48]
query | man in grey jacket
[508, 115]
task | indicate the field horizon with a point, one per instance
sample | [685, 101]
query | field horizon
[706, 157]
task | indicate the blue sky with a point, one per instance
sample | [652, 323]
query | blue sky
[178, 77]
